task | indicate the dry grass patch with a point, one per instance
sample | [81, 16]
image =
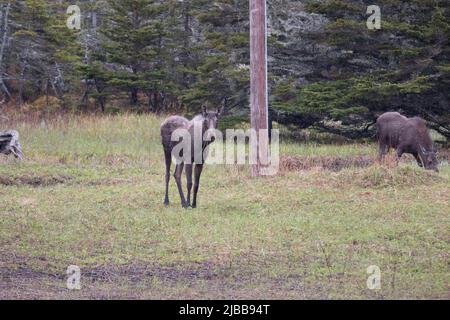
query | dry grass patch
[379, 176]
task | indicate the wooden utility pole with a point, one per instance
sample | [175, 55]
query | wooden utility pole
[258, 81]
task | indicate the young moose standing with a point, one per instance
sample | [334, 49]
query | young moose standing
[208, 120]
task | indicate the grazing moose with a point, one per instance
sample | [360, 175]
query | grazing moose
[208, 120]
[407, 135]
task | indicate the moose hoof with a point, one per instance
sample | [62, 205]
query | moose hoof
[166, 203]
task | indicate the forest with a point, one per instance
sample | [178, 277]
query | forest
[328, 71]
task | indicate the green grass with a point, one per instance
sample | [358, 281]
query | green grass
[90, 193]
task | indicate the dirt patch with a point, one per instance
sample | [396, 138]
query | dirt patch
[52, 180]
[334, 164]
[151, 281]
[35, 181]
[187, 273]
[248, 277]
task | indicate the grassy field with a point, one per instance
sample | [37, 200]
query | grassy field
[90, 193]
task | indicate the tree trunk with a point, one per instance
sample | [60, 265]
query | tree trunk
[47, 92]
[101, 100]
[2, 49]
[85, 97]
[134, 96]
[20, 100]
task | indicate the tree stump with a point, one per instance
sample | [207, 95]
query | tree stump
[9, 144]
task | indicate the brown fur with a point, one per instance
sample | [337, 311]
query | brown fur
[406, 135]
[207, 120]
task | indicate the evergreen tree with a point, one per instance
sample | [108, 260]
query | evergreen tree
[404, 66]
[222, 74]
[41, 49]
[134, 37]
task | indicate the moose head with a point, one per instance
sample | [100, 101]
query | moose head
[211, 118]
[429, 159]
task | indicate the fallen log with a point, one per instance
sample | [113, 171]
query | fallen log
[9, 144]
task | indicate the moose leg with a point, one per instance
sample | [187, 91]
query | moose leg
[383, 151]
[177, 175]
[198, 173]
[399, 154]
[168, 159]
[419, 161]
[189, 183]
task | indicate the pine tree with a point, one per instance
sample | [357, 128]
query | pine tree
[42, 48]
[134, 41]
[404, 66]
[222, 74]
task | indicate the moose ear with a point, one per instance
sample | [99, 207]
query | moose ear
[204, 111]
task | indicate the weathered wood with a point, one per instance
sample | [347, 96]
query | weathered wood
[258, 82]
[9, 144]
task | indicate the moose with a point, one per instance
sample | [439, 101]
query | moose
[207, 120]
[406, 135]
